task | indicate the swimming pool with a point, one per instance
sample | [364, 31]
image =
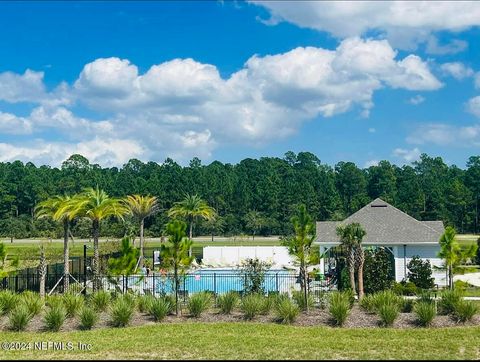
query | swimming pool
[215, 280]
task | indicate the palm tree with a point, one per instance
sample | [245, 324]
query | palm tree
[96, 205]
[351, 236]
[300, 245]
[142, 207]
[191, 208]
[59, 209]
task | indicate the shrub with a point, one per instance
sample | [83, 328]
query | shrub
[54, 300]
[199, 303]
[420, 273]
[267, 304]
[407, 305]
[464, 311]
[73, 304]
[386, 297]
[121, 312]
[100, 300]
[377, 270]
[8, 300]
[252, 305]
[19, 317]
[299, 298]
[425, 312]
[368, 303]
[339, 307]
[405, 288]
[33, 302]
[227, 302]
[159, 308]
[388, 312]
[448, 301]
[426, 296]
[144, 302]
[170, 299]
[55, 317]
[253, 273]
[130, 298]
[287, 311]
[88, 318]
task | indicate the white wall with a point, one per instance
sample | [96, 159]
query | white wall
[429, 252]
[234, 255]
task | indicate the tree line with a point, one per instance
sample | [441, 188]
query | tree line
[254, 196]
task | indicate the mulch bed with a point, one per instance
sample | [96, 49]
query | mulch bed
[358, 318]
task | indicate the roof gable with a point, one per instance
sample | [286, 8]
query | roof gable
[384, 223]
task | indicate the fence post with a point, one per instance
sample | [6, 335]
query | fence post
[16, 283]
[84, 269]
[123, 284]
[276, 282]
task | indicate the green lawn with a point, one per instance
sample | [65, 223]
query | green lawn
[254, 341]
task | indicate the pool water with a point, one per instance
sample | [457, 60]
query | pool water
[216, 280]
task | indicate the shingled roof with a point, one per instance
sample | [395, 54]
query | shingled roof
[384, 224]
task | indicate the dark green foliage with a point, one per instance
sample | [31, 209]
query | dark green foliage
[55, 317]
[252, 305]
[32, 301]
[8, 300]
[339, 307]
[73, 304]
[428, 189]
[122, 312]
[143, 303]
[378, 270]
[449, 299]
[124, 264]
[88, 318]
[159, 308]
[199, 303]
[425, 312]
[464, 310]
[407, 305]
[405, 288]
[420, 273]
[298, 297]
[19, 317]
[287, 311]
[227, 302]
[252, 272]
[100, 300]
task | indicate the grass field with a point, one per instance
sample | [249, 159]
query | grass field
[253, 341]
[76, 247]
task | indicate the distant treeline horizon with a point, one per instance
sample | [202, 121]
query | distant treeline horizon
[263, 192]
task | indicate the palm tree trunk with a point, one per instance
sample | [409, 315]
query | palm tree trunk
[42, 271]
[351, 268]
[141, 242]
[66, 264]
[303, 271]
[176, 289]
[361, 261]
[96, 256]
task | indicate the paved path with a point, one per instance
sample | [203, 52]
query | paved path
[471, 278]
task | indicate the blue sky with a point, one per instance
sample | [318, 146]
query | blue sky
[224, 81]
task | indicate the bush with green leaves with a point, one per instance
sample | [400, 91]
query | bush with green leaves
[420, 273]
[159, 308]
[199, 303]
[130, 298]
[287, 311]
[19, 317]
[253, 272]
[464, 311]
[425, 312]
[388, 313]
[55, 317]
[54, 300]
[33, 302]
[339, 307]
[252, 305]
[299, 298]
[448, 300]
[121, 312]
[368, 303]
[100, 300]
[143, 303]
[386, 297]
[8, 300]
[170, 299]
[378, 273]
[405, 288]
[426, 296]
[88, 317]
[407, 305]
[73, 304]
[268, 303]
[227, 302]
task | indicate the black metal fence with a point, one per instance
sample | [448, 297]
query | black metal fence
[157, 283]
